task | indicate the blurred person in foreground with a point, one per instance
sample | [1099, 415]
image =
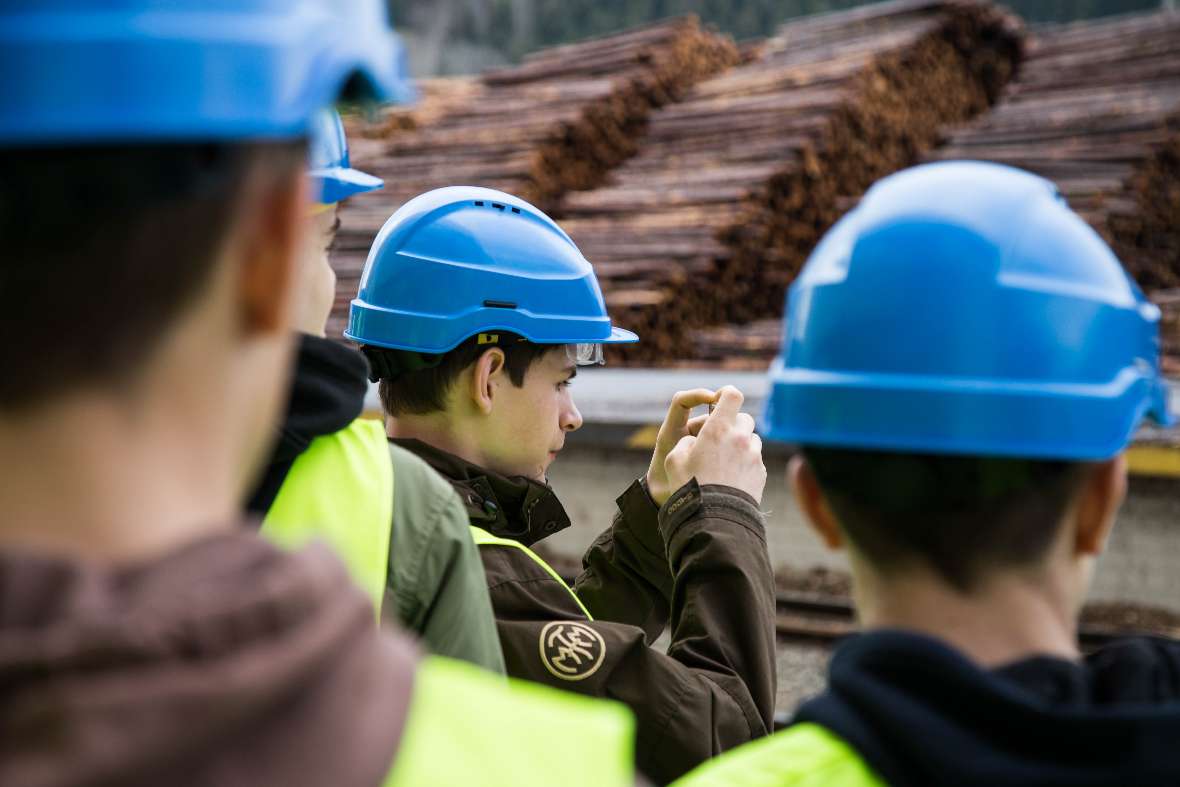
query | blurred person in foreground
[153, 207]
[334, 476]
[476, 366]
[964, 364]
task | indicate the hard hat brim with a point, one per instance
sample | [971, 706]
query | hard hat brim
[619, 336]
[339, 183]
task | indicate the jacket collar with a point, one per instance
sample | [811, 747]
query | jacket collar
[513, 507]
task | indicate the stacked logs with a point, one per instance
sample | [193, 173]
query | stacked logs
[1169, 303]
[1096, 109]
[559, 121]
[735, 184]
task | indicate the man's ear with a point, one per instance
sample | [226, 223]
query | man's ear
[269, 239]
[1102, 493]
[487, 373]
[810, 499]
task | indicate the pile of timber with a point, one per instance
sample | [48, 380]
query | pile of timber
[747, 347]
[558, 121]
[1169, 303]
[1096, 109]
[735, 184]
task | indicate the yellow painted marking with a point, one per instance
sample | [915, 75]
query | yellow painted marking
[644, 437]
[1154, 460]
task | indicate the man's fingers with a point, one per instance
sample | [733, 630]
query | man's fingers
[729, 404]
[695, 423]
[744, 423]
[683, 403]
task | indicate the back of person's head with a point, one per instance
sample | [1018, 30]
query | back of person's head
[959, 515]
[153, 205]
[142, 148]
[106, 245]
[963, 359]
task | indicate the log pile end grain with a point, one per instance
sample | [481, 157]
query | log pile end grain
[1094, 107]
[1169, 303]
[752, 166]
[557, 122]
[436, 97]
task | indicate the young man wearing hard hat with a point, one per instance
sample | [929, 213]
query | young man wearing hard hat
[475, 310]
[334, 476]
[964, 364]
[153, 206]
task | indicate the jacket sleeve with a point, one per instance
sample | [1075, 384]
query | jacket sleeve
[435, 585]
[714, 688]
[625, 573]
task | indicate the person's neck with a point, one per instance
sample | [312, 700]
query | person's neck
[1009, 619]
[112, 480]
[440, 431]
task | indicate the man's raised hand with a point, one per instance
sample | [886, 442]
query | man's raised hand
[722, 449]
[677, 425]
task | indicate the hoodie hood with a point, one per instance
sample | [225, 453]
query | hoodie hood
[227, 662]
[920, 713]
[327, 394]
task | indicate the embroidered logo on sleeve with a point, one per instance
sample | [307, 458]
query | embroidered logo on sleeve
[571, 651]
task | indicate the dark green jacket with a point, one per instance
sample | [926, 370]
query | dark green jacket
[435, 583]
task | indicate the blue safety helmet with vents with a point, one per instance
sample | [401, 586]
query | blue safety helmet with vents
[963, 308]
[91, 71]
[333, 179]
[460, 261]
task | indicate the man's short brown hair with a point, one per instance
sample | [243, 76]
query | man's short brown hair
[418, 383]
[961, 515]
[104, 246]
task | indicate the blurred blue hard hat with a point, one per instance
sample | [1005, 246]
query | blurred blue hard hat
[92, 71]
[459, 261]
[332, 177]
[963, 308]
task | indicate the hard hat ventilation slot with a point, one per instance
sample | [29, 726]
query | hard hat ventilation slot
[499, 304]
[497, 206]
[479, 203]
[516, 210]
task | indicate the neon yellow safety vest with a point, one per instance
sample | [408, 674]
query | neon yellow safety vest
[803, 755]
[484, 538]
[572, 741]
[340, 490]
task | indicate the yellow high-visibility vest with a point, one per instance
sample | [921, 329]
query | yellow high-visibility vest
[484, 538]
[802, 755]
[340, 491]
[453, 733]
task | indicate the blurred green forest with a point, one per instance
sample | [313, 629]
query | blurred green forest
[454, 36]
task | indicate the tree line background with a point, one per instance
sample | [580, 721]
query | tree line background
[465, 36]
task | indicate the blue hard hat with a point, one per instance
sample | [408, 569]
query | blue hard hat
[963, 308]
[458, 261]
[330, 172]
[89, 71]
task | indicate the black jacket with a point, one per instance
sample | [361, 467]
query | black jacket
[920, 713]
[327, 394]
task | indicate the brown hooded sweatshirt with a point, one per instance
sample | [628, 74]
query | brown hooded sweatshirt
[226, 662]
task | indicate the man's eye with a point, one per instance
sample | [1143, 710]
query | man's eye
[564, 384]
